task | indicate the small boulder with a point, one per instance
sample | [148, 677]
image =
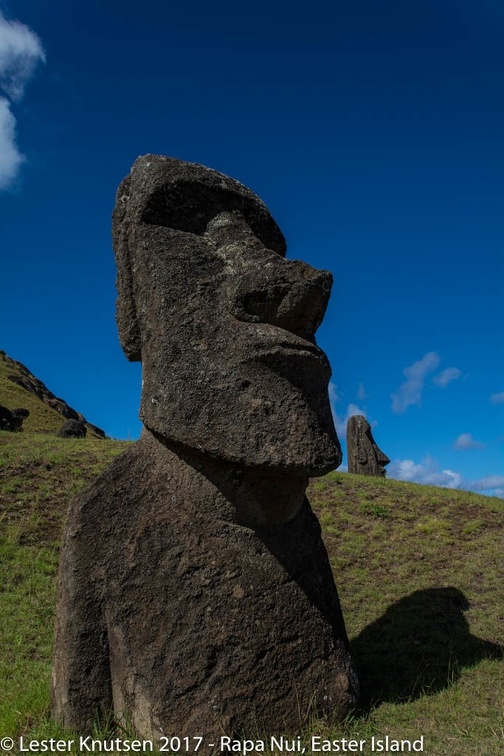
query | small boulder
[19, 414]
[6, 419]
[12, 420]
[72, 429]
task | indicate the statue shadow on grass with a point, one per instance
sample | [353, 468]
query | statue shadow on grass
[418, 647]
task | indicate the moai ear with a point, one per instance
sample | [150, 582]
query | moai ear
[126, 314]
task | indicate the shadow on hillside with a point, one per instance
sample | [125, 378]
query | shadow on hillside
[419, 646]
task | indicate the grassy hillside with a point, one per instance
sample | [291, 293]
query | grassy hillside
[419, 571]
[43, 418]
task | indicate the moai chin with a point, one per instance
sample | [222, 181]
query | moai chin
[195, 592]
[364, 456]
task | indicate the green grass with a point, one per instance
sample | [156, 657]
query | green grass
[40, 474]
[418, 569]
[419, 572]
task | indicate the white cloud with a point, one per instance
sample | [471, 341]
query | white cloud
[497, 398]
[410, 392]
[361, 393]
[488, 483]
[445, 377]
[10, 157]
[333, 395]
[466, 441]
[426, 472]
[20, 51]
[352, 409]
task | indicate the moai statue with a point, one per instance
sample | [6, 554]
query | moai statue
[364, 456]
[195, 592]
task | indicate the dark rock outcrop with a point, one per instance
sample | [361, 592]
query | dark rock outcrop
[6, 418]
[12, 420]
[72, 429]
[98, 432]
[21, 413]
[22, 377]
[35, 386]
[364, 456]
[195, 592]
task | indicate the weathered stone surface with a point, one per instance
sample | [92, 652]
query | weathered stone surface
[12, 420]
[195, 591]
[21, 413]
[222, 322]
[72, 429]
[62, 407]
[5, 418]
[364, 456]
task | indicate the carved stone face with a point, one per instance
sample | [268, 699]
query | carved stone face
[364, 455]
[223, 323]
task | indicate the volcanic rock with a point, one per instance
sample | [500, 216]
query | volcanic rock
[364, 456]
[195, 592]
[72, 429]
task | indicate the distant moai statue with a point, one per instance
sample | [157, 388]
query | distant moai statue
[195, 592]
[364, 456]
[12, 420]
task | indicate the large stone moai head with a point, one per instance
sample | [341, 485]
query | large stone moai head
[195, 594]
[223, 324]
[364, 455]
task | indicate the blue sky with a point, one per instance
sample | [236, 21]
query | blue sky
[374, 133]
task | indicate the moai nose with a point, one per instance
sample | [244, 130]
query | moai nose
[266, 287]
[292, 296]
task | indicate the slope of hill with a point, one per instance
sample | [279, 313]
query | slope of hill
[418, 571]
[20, 388]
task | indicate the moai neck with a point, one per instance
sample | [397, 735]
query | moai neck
[253, 497]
